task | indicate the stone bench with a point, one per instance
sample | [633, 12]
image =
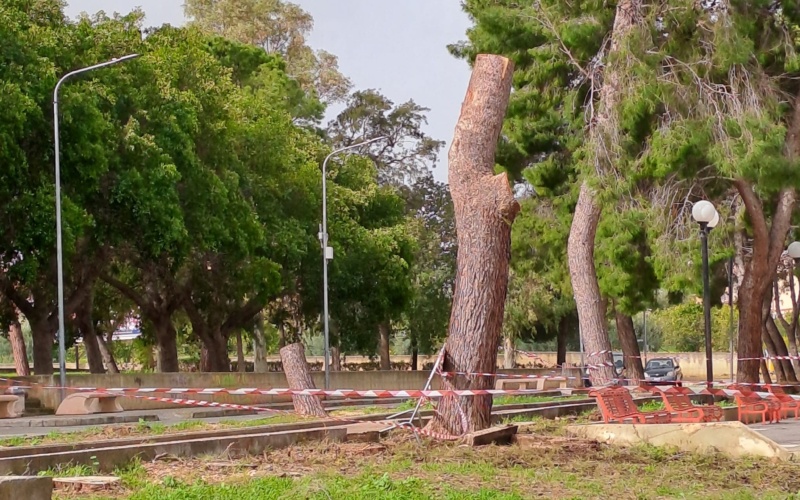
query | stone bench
[88, 403]
[540, 384]
[9, 406]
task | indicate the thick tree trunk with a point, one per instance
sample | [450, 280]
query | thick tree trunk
[580, 245]
[583, 275]
[214, 353]
[768, 245]
[298, 376]
[385, 330]
[241, 364]
[336, 358]
[259, 345]
[167, 344]
[508, 353]
[107, 354]
[630, 347]
[18, 349]
[43, 340]
[764, 372]
[414, 358]
[776, 338]
[561, 341]
[85, 324]
[770, 346]
[485, 208]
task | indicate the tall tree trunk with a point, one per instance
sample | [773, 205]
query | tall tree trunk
[167, 344]
[241, 364]
[770, 345]
[336, 358]
[630, 346]
[791, 327]
[298, 376]
[107, 354]
[777, 339]
[508, 352]
[414, 357]
[85, 323]
[214, 353]
[385, 330]
[561, 341]
[43, 340]
[764, 372]
[485, 208]
[603, 134]
[768, 245]
[260, 345]
[18, 349]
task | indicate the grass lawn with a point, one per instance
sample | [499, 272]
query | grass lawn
[548, 464]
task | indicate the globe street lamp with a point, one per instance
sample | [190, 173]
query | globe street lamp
[327, 252]
[706, 215]
[59, 252]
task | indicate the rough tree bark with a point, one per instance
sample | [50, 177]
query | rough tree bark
[336, 358]
[85, 323]
[790, 327]
[107, 354]
[259, 345]
[167, 343]
[630, 346]
[758, 274]
[765, 372]
[485, 208]
[384, 332]
[768, 246]
[561, 341]
[18, 349]
[776, 339]
[298, 375]
[580, 245]
[241, 364]
[508, 353]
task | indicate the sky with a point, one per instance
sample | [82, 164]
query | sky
[396, 47]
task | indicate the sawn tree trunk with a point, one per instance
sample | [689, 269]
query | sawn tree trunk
[298, 376]
[485, 208]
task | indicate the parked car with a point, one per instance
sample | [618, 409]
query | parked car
[663, 370]
[619, 366]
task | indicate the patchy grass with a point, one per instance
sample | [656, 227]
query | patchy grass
[523, 399]
[544, 465]
[143, 429]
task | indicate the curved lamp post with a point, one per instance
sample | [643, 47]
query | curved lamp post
[707, 217]
[327, 252]
[59, 252]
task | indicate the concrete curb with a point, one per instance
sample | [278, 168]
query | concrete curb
[108, 458]
[101, 419]
[26, 487]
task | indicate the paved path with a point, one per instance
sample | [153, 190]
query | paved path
[785, 433]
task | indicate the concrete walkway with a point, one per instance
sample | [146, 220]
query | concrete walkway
[785, 433]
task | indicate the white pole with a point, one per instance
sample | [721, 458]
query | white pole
[323, 238]
[59, 250]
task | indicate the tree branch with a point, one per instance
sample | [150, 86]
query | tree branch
[129, 292]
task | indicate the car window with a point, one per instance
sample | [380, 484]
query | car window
[658, 364]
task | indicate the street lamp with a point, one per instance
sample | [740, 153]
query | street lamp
[327, 252]
[706, 215]
[59, 252]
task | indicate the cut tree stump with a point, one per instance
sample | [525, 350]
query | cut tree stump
[484, 210]
[298, 375]
[86, 484]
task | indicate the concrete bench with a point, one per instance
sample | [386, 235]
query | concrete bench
[88, 403]
[9, 406]
[525, 383]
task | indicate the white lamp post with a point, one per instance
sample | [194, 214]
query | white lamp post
[59, 252]
[327, 252]
[706, 215]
